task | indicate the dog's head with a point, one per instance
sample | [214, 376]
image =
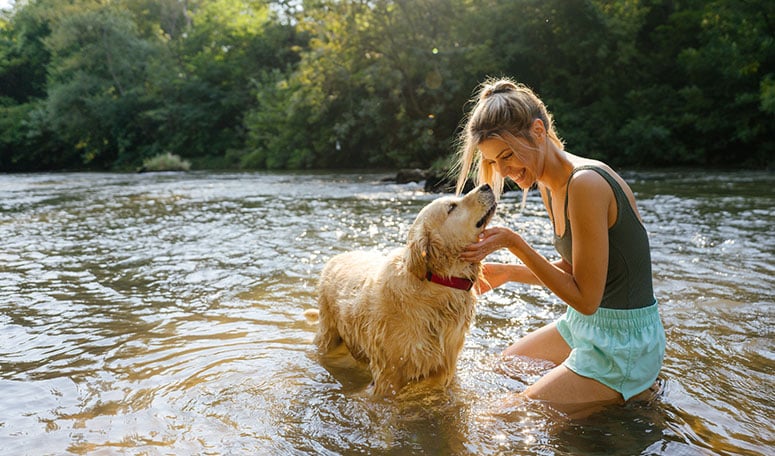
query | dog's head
[444, 228]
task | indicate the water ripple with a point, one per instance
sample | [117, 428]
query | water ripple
[161, 313]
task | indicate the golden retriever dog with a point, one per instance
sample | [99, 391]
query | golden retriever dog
[406, 314]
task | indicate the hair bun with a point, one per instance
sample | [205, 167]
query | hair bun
[500, 86]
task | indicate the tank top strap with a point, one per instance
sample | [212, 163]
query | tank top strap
[621, 197]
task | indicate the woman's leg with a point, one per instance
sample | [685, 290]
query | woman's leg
[545, 343]
[572, 394]
[561, 388]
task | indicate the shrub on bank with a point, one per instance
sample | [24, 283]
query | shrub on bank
[165, 162]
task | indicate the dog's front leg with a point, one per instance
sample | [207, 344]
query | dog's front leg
[388, 381]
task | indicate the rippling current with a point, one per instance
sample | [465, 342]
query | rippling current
[162, 314]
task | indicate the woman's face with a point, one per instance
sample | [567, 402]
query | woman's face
[505, 162]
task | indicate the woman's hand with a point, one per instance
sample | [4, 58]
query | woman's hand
[493, 276]
[490, 240]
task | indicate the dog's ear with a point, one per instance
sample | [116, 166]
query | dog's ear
[435, 257]
[423, 247]
[416, 256]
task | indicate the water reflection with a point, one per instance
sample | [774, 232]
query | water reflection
[161, 313]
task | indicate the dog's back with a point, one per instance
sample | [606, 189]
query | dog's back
[344, 286]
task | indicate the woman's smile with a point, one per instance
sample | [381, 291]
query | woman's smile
[519, 177]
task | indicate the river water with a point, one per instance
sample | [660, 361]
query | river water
[162, 314]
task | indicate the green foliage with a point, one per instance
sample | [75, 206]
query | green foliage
[97, 77]
[166, 162]
[373, 89]
[345, 83]
[23, 57]
[767, 96]
[205, 81]
[26, 141]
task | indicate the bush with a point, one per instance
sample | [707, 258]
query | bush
[165, 162]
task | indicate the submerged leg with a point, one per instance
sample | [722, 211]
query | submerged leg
[572, 394]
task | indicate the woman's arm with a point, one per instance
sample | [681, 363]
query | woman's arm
[590, 205]
[581, 286]
[496, 274]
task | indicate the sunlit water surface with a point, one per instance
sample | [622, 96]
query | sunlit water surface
[162, 314]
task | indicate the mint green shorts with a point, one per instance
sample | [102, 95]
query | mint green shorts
[622, 349]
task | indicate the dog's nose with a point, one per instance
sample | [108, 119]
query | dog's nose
[486, 188]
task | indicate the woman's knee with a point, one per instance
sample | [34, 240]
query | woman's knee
[544, 343]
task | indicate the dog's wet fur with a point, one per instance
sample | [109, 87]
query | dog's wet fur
[387, 313]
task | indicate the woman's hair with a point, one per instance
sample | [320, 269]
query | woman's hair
[503, 110]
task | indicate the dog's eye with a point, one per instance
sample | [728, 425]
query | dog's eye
[451, 208]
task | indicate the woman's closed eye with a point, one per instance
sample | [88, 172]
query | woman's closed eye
[505, 157]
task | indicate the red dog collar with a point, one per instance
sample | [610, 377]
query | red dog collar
[453, 282]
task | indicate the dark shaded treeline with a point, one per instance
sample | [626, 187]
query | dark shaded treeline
[104, 84]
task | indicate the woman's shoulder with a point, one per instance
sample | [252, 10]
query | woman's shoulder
[584, 169]
[585, 180]
[581, 163]
[589, 181]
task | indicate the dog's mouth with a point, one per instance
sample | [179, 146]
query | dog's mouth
[486, 219]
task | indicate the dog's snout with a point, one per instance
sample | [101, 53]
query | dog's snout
[486, 188]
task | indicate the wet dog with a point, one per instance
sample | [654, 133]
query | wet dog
[406, 314]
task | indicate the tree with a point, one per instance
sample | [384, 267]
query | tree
[728, 73]
[374, 88]
[381, 83]
[26, 140]
[210, 70]
[96, 83]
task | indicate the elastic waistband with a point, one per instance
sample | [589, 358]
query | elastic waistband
[618, 318]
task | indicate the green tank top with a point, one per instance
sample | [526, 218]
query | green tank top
[628, 282]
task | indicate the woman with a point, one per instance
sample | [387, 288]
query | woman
[608, 346]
